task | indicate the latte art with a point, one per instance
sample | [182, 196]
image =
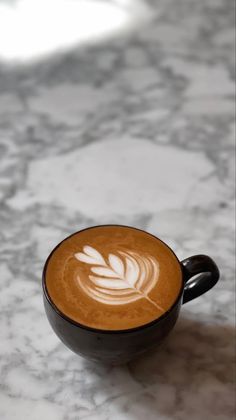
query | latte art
[113, 277]
[124, 278]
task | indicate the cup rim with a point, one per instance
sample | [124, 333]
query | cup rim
[100, 330]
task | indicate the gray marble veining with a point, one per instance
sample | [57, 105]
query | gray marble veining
[137, 130]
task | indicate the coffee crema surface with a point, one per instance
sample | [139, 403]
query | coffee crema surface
[113, 277]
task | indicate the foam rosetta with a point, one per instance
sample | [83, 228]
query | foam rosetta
[119, 279]
[113, 277]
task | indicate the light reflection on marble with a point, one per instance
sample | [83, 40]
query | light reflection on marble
[150, 112]
[48, 27]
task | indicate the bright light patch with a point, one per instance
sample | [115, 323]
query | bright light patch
[32, 28]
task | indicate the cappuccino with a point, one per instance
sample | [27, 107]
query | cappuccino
[113, 277]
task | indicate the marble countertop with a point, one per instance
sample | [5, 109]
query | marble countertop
[137, 130]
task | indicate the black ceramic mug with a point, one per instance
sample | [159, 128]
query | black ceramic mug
[199, 274]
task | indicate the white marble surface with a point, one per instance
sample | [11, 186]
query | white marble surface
[136, 130]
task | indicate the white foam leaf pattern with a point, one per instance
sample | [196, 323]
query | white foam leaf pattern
[122, 279]
[132, 271]
[84, 258]
[103, 271]
[90, 256]
[101, 281]
[116, 264]
[92, 252]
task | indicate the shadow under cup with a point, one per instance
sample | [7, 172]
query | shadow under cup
[199, 274]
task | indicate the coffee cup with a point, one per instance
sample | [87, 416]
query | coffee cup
[112, 292]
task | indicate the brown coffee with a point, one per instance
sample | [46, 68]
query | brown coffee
[113, 277]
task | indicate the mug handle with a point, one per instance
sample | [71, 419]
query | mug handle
[205, 275]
